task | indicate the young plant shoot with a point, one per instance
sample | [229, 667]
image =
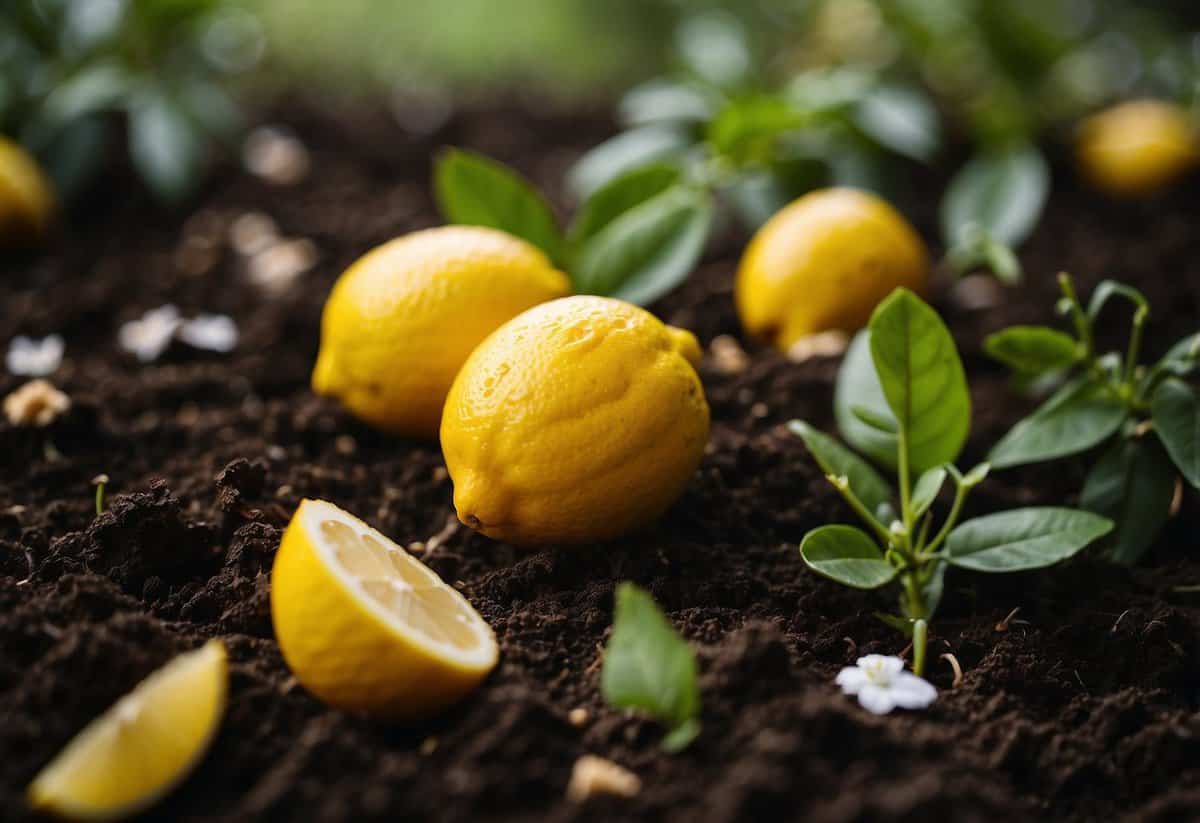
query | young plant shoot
[650, 668]
[1146, 416]
[902, 399]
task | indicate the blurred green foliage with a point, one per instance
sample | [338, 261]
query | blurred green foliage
[77, 74]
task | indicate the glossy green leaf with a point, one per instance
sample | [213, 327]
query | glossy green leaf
[922, 378]
[648, 250]
[618, 196]
[1133, 483]
[744, 124]
[926, 489]
[649, 667]
[857, 388]
[1079, 416]
[623, 153]
[901, 119]
[880, 422]
[166, 146]
[1002, 192]
[847, 555]
[473, 190]
[665, 101]
[1022, 539]
[837, 460]
[1175, 409]
[1032, 350]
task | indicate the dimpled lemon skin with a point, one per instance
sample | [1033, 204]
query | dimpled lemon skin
[823, 263]
[401, 321]
[578, 421]
[344, 653]
[26, 201]
[1136, 149]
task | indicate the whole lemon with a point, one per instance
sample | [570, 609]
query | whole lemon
[823, 263]
[579, 420]
[401, 321]
[1137, 148]
[26, 201]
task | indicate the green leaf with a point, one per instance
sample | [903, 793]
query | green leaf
[1080, 415]
[649, 667]
[901, 119]
[857, 388]
[1001, 192]
[648, 250]
[922, 378]
[166, 146]
[473, 190]
[1023, 539]
[747, 125]
[837, 460]
[926, 489]
[847, 555]
[715, 46]
[100, 87]
[880, 422]
[618, 196]
[1133, 482]
[1182, 358]
[1175, 409]
[623, 153]
[659, 101]
[1109, 289]
[1032, 350]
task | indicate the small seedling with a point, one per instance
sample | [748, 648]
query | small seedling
[650, 668]
[1146, 416]
[100, 481]
[902, 399]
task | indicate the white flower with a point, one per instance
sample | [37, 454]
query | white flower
[882, 685]
[149, 337]
[212, 332]
[35, 358]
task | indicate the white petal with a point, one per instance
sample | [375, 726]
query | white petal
[214, 332]
[912, 692]
[851, 679]
[876, 699]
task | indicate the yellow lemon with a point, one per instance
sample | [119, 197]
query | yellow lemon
[823, 263]
[366, 627]
[1137, 148]
[401, 321]
[579, 420]
[143, 746]
[26, 201]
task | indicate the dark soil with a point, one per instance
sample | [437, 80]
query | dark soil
[1083, 707]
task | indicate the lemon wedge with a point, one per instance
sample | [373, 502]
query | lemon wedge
[365, 626]
[143, 746]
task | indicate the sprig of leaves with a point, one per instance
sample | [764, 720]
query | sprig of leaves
[1146, 417]
[635, 238]
[902, 399]
[650, 668]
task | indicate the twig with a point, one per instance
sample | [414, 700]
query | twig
[958, 672]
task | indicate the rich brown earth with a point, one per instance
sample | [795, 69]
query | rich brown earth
[1084, 707]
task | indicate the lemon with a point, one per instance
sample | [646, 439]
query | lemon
[26, 201]
[143, 746]
[366, 627]
[579, 420]
[823, 263]
[1137, 148]
[401, 321]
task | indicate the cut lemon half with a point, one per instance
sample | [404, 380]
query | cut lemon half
[143, 746]
[365, 626]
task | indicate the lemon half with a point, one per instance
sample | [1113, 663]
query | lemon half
[143, 746]
[365, 626]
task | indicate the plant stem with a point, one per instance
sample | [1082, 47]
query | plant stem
[99, 499]
[1135, 345]
[920, 634]
[960, 496]
[905, 490]
[1083, 326]
[843, 487]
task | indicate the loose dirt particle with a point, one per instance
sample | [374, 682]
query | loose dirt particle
[578, 717]
[594, 775]
[728, 356]
[822, 344]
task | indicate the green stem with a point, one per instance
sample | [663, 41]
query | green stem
[99, 499]
[1083, 326]
[905, 490]
[1135, 345]
[920, 635]
[960, 496]
[843, 487]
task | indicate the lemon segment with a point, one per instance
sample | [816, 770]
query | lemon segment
[366, 627]
[401, 320]
[578, 421]
[823, 263]
[143, 746]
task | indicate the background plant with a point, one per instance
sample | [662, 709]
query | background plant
[73, 72]
[907, 406]
[1147, 417]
